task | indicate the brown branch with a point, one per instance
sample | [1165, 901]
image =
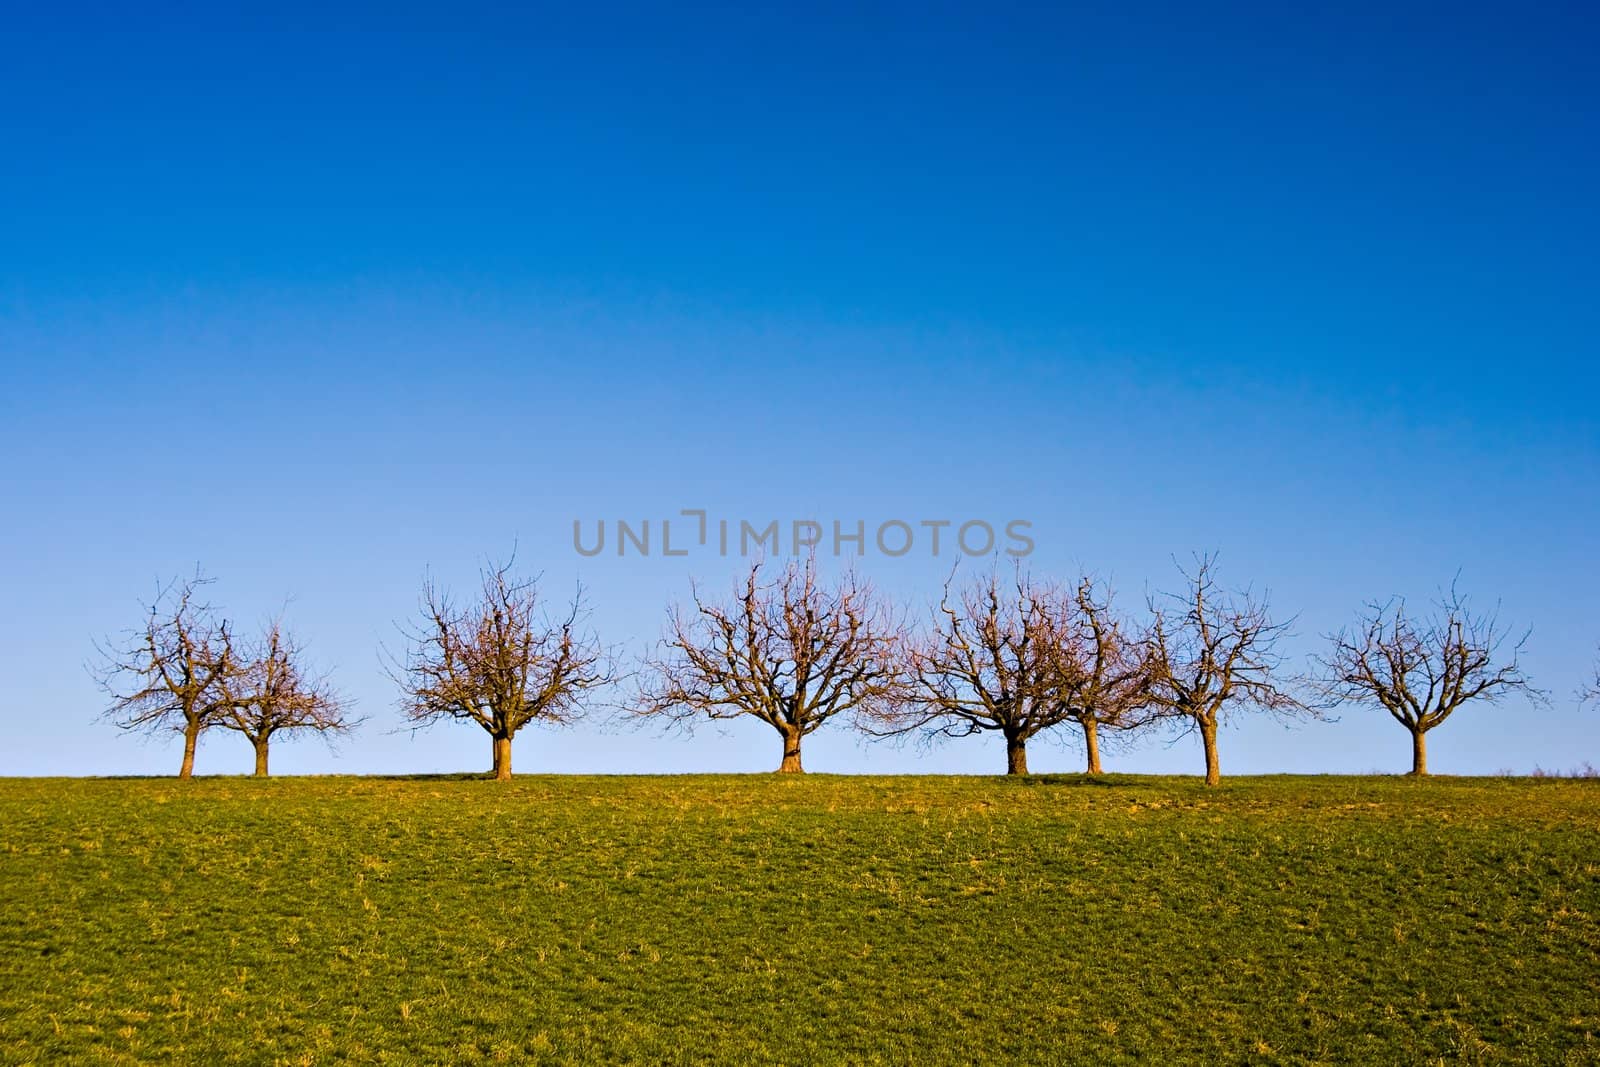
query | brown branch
[789, 652]
[1422, 669]
[499, 661]
[174, 672]
[274, 692]
[1211, 652]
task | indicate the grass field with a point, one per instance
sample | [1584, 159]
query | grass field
[801, 920]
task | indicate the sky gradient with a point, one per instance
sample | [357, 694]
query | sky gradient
[327, 302]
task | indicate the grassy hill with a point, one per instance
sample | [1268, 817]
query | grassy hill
[809, 919]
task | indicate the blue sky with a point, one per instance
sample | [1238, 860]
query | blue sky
[326, 301]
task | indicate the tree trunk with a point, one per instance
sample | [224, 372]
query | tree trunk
[1016, 755]
[261, 758]
[502, 759]
[191, 734]
[1419, 753]
[1208, 737]
[791, 753]
[1091, 744]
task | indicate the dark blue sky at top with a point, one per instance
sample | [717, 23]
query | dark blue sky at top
[325, 297]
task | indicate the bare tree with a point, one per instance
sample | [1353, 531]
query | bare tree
[274, 693]
[1422, 669]
[992, 660]
[173, 673]
[1103, 672]
[1213, 652]
[789, 652]
[499, 661]
[1589, 693]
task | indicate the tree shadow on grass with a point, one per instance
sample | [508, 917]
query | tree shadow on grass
[1073, 779]
[442, 776]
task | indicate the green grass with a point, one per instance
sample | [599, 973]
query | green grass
[759, 919]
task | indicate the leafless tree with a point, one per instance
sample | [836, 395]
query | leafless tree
[790, 652]
[1422, 669]
[499, 661]
[1213, 652]
[994, 659]
[1589, 693]
[274, 693]
[172, 673]
[1103, 671]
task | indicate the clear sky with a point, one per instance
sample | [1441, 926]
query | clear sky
[326, 300]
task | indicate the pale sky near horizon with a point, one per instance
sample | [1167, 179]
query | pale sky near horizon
[328, 301]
